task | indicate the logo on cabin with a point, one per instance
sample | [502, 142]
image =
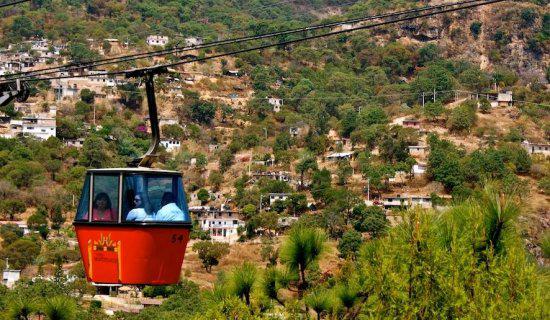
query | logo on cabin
[105, 244]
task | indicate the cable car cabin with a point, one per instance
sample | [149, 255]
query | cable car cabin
[132, 226]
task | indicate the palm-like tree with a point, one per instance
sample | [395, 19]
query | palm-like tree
[243, 280]
[21, 309]
[60, 308]
[320, 301]
[302, 248]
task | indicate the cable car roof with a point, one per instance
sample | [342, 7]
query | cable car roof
[134, 170]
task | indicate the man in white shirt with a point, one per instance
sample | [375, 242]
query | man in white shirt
[169, 210]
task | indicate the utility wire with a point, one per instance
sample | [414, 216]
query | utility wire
[13, 3]
[131, 57]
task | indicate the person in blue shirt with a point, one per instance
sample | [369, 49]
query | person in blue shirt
[138, 213]
[169, 210]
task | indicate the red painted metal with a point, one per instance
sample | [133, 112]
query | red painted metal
[133, 255]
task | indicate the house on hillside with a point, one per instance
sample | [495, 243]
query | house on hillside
[171, 145]
[411, 123]
[193, 41]
[299, 129]
[419, 151]
[75, 143]
[41, 126]
[348, 155]
[276, 103]
[159, 41]
[419, 170]
[272, 175]
[536, 148]
[274, 197]
[10, 276]
[222, 225]
[504, 99]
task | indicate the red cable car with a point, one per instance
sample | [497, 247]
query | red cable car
[133, 224]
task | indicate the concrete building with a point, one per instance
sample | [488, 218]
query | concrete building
[274, 197]
[419, 170]
[536, 148]
[222, 225]
[419, 151]
[170, 145]
[399, 178]
[348, 155]
[10, 276]
[193, 41]
[276, 103]
[39, 127]
[298, 129]
[505, 99]
[75, 143]
[273, 175]
[159, 41]
[406, 201]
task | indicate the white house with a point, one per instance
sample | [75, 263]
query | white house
[222, 225]
[272, 175]
[286, 221]
[41, 127]
[170, 145]
[76, 143]
[505, 99]
[340, 156]
[419, 170]
[193, 41]
[536, 148]
[159, 41]
[405, 201]
[10, 276]
[276, 103]
[273, 197]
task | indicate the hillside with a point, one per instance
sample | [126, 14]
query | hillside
[409, 163]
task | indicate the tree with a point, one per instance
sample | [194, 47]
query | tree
[475, 29]
[21, 308]
[57, 217]
[38, 222]
[172, 131]
[349, 244]
[87, 96]
[371, 115]
[60, 308]
[462, 118]
[432, 110]
[203, 112]
[344, 172]
[434, 77]
[226, 159]
[210, 253]
[484, 105]
[320, 184]
[296, 203]
[300, 250]
[242, 281]
[94, 152]
[203, 195]
[306, 164]
[215, 179]
[474, 79]
[11, 207]
[21, 253]
[283, 141]
[370, 219]
[79, 52]
[320, 301]
[130, 96]
[428, 53]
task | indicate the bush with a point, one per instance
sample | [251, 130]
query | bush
[462, 118]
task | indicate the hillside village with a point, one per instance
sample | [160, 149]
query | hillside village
[404, 121]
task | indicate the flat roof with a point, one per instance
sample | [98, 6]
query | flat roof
[133, 170]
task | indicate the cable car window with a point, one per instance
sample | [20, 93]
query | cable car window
[156, 198]
[84, 203]
[105, 198]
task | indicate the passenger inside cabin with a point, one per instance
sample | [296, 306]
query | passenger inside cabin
[138, 213]
[102, 210]
[169, 211]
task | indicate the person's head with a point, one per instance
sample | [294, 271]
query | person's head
[138, 201]
[102, 201]
[167, 197]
